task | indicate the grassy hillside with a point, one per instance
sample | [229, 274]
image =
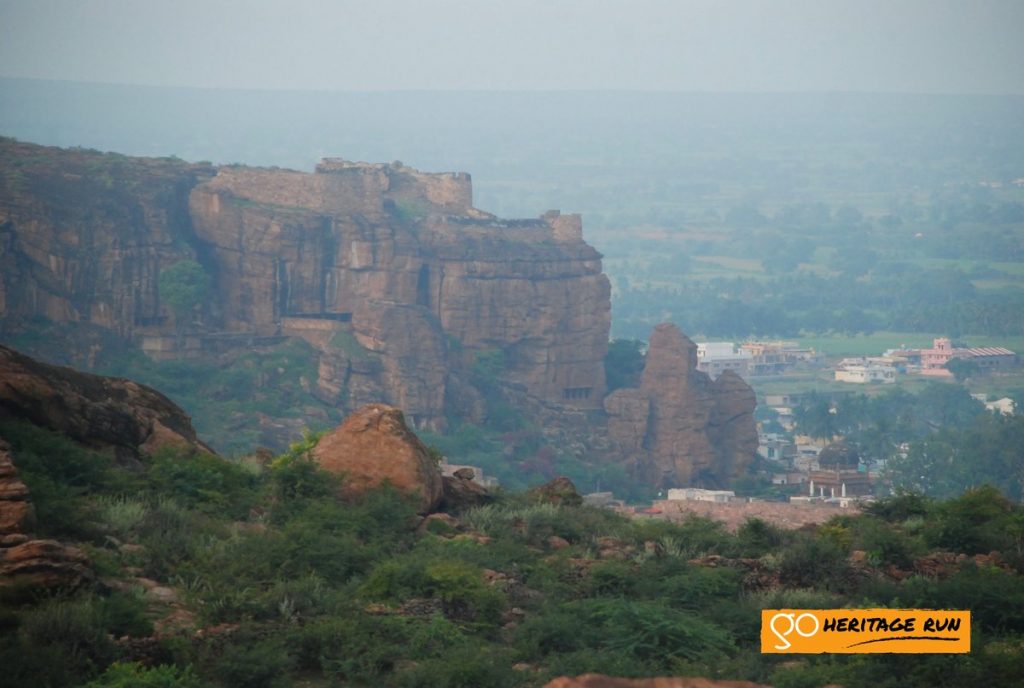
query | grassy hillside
[252, 573]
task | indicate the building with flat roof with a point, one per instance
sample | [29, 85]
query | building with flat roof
[714, 358]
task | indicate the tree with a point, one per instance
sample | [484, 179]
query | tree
[815, 418]
[962, 368]
[183, 286]
[623, 363]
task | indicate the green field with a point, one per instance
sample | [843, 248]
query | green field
[876, 343]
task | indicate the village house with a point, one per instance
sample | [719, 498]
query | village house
[714, 358]
[775, 358]
[989, 358]
[866, 369]
[696, 494]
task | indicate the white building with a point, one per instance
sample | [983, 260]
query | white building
[866, 369]
[696, 494]
[714, 358]
[1004, 406]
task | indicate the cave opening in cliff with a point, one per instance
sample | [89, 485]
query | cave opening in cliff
[423, 286]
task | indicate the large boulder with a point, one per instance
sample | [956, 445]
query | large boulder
[374, 446]
[461, 492]
[559, 491]
[104, 413]
[32, 565]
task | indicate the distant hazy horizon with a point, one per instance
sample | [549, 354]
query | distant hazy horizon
[691, 46]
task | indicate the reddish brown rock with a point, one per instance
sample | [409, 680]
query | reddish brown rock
[462, 492]
[99, 412]
[679, 427]
[373, 446]
[16, 512]
[560, 491]
[397, 263]
[84, 235]
[599, 681]
[44, 564]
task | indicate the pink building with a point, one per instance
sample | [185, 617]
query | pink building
[934, 360]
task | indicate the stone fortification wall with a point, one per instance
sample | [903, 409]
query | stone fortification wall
[409, 277]
[354, 190]
[734, 514]
[451, 192]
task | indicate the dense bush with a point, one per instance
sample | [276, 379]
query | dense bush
[315, 588]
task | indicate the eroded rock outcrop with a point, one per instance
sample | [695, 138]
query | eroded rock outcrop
[403, 267]
[43, 565]
[99, 412]
[28, 563]
[16, 512]
[373, 446]
[84, 235]
[394, 263]
[461, 491]
[679, 427]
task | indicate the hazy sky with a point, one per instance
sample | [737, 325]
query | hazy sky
[933, 46]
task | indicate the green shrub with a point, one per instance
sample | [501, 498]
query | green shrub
[977, 522]
[125, 614]
[134, 675]
[465, 667]
[62, 642]
[249, 662]
[60, 475]
[647, 632]
[900, 507]
[122, 515]
[457, 584]
[359, 650]
[169, 535]
[813, 562]
[756, 538]
[885, 544]
[202, 481]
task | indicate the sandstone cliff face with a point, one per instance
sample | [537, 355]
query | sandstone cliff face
[679, 427]
[390, 273]
[83, 235]
[373, 446]
[100, 412]
[404, 258]
[394, 261]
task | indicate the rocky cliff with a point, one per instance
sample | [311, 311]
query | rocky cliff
[401, 286]
[108, 414]
[385, 269]
[84, 235]
[679, 427]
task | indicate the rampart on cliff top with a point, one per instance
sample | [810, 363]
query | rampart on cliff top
[401, 286]
[396, 257]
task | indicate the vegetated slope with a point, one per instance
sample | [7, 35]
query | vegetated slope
[256, 573]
